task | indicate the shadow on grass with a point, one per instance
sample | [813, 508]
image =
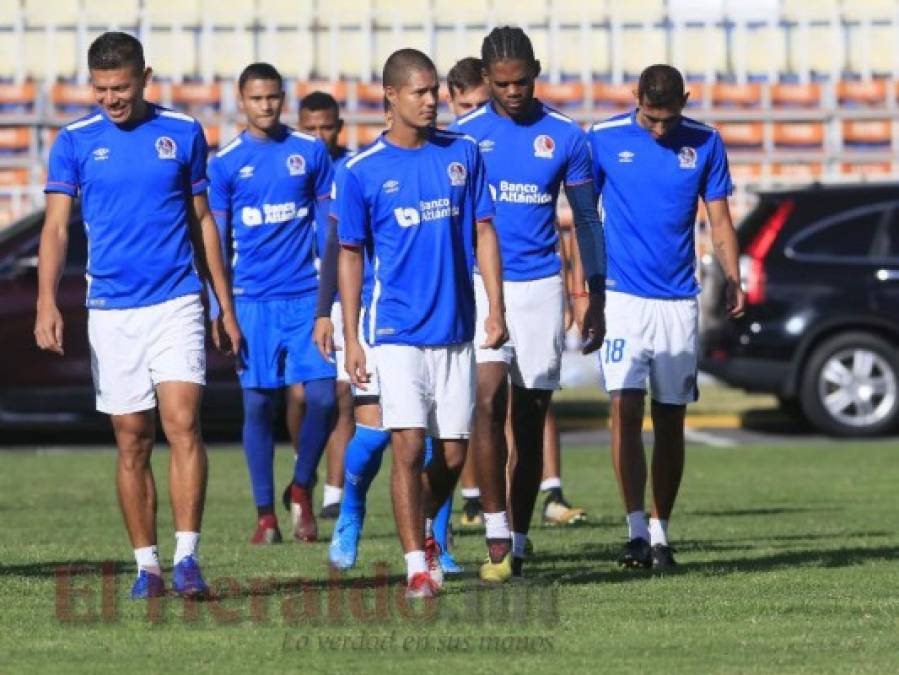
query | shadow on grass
[52, 568]
[762, 511]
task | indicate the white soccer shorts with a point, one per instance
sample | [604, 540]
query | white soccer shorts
[133, 350]
[429, 388]
[652, 339]
[372, 388]
[535, 312]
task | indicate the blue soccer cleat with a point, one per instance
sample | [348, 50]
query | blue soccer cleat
[449, 564]
[187, 580]
[147, 586]
[345, 541]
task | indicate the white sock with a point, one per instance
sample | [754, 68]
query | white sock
[519, 541]
[636, 526]
[332, 495]
[550, 483]
[471, 493]
[186, 543]
[497, 525]
[658, 531]
[415, 563]
[429, 528]
[147, 558]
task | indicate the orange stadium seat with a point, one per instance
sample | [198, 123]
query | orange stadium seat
[745, 172]
[19, 177]
[799, 135]
[337, 89]
[862, 92]
[562, 95]
[370, 95]
[15, 140]
[795, 95]
[800, 171]
[742, 135]
[79, 98]
[618, 96]
[698, 91]
[367, 133]
[866, 169]
[17, 98]
[213, 133]
[197, 98]
[732, 95]
[867, 133]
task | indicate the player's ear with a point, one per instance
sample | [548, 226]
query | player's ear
[147, 77]
[339, 125]
[683, 103]
[537, 68]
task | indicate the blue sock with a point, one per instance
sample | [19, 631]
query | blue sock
[317, 423]
[361, 464]
[258, 443]
[441, 522]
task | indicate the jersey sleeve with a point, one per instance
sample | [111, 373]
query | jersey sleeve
[718, 184]
[578, 170]
[352, 212]
[324, 172]
[599, 176]
[199, 155]
[483, 201]
[62, 171]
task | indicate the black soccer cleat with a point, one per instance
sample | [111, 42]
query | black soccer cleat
[663, 558]
[330, 512]
[636, 554]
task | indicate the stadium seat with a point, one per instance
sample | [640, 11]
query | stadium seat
[699, 51]
[370, 96]
[614, 96]
[862, 93]
[229, 51]
[16, 140]
[213, 133]
[171, 52]
[698, 92]
[337, 89]
[58, 13]
[733, 95]
[233, 14]
[173, 12]
[48, 55]
[448, 12]
[795, 95]
[866, 170]
[640, 45]
[798, 171]
[121, 13]
[742, 172]
[759, 50]
[68, 97]
[742, 135]
[284, 12]
[861, 134]
[524, 13]
[366, 133]
[565, 95]
[799, 135]
[197, 98]
[17, 99]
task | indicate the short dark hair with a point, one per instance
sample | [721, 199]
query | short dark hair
[661, 86]
[401, 63]
[114, 50]
[465, 75]
[259, 71]
[508, 43]
[319, 100]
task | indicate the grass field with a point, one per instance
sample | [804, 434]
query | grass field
[789, 564]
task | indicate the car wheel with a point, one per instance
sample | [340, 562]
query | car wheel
[850, 385]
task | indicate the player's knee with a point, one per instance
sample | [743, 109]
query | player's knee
[258, 405]
[628, 410]
[135, 447]
[321, 399]
[491, 402]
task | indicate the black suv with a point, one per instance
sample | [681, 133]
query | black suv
[820, 267]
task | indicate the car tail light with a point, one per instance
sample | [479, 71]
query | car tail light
[752, 264]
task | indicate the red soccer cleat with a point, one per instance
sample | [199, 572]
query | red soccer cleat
[267, 531]
[421, 586]
[432, 558]
[302, 514]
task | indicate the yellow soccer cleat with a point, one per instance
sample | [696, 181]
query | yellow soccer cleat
[556, 511]
[497, 573]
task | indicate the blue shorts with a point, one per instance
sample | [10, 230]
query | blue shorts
[278, 349]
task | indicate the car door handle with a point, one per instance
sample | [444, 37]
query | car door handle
[887, 275]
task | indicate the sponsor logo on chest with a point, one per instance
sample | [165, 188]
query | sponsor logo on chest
[271, 214]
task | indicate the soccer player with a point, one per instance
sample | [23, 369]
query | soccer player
[529, 150]
[320, 117]
[651, 166]
[421, 196]
[140, 171]
[267, 187]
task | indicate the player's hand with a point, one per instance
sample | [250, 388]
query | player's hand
[355, 364]
[579, 311]
[593, 329]
[323, 336]
[48, 328]
[496, 332]
[736, 299]
[229, 336]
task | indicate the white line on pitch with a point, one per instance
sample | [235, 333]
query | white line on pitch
[706, 438]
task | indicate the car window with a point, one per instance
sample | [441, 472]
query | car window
[848, 237]
[891, 245]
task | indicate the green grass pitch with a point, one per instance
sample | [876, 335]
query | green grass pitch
[789, 564]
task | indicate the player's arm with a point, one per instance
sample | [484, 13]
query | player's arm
[578, 291]
[491, 268]
[323, 332]
[207, 244]
[51, 259]
[727, 251]
[349, 272]
[592, 255]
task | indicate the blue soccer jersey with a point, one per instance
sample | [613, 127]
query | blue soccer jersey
[419, 207]
[527, 161]
[650, 189]
[135, 182]
[264, 193]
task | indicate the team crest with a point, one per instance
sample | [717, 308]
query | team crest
[457, 173]
[296, 165]
[544, 146]
[166, 148]
[687, 157]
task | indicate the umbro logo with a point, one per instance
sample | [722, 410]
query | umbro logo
[625, 156]
[101, 154]
[246, 171]
[486, 145]
[391, 186]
